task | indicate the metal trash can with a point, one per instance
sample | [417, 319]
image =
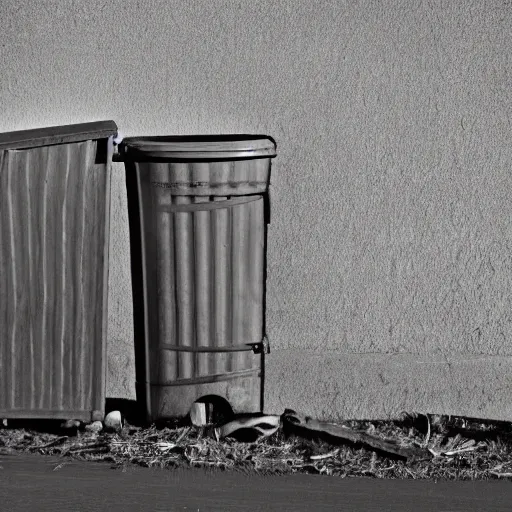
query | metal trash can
[203, 210]
[54, 235]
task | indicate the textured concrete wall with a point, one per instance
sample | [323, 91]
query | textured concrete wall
[389, 250]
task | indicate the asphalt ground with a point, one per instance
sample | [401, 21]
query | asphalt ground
[43, 484]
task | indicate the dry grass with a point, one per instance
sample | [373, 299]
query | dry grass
[462, 449]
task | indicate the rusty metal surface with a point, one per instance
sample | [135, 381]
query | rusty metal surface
[203, 270]
[54, 212]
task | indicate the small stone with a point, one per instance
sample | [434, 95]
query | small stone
[114, 421]
[97, 415]
[95, 426]
[70, 424]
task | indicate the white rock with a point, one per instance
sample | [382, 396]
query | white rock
[70, 424]
[198, 414]
[113, 420]
[95, 426]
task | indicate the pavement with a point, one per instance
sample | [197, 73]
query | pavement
[40, 483]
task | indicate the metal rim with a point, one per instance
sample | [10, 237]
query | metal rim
[199, 147]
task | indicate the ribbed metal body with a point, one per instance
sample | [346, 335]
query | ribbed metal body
[54, 211]
[203, 248]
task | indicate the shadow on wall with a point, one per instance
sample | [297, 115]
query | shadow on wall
[129, 409]
[134, 411]
[137, 286]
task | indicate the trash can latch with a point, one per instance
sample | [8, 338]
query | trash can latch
[263, 347]
[116, 140]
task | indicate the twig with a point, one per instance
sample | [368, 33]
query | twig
[55, 442]
[427, 439]
[131, 443]
[325, 455]
[182, 435]
[88, 447]
[410, 473]
[465, 447]
[164, 446]
[501, 475]
[208, 462]
[433, 452]
[461, 450]
[373, 462]
[91, 448]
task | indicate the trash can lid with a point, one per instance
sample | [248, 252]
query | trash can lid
[197, 147]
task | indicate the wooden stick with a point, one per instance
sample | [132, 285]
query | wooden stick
[55, 442]
[88, 448]
[346, 434]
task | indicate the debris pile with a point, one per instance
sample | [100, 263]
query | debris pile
[413, 446]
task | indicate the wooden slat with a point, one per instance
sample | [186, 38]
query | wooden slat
[54, 216]
[57, 135]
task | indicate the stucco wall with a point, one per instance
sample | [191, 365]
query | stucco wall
[389, 268]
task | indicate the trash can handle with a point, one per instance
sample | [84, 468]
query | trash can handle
[260, 347]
